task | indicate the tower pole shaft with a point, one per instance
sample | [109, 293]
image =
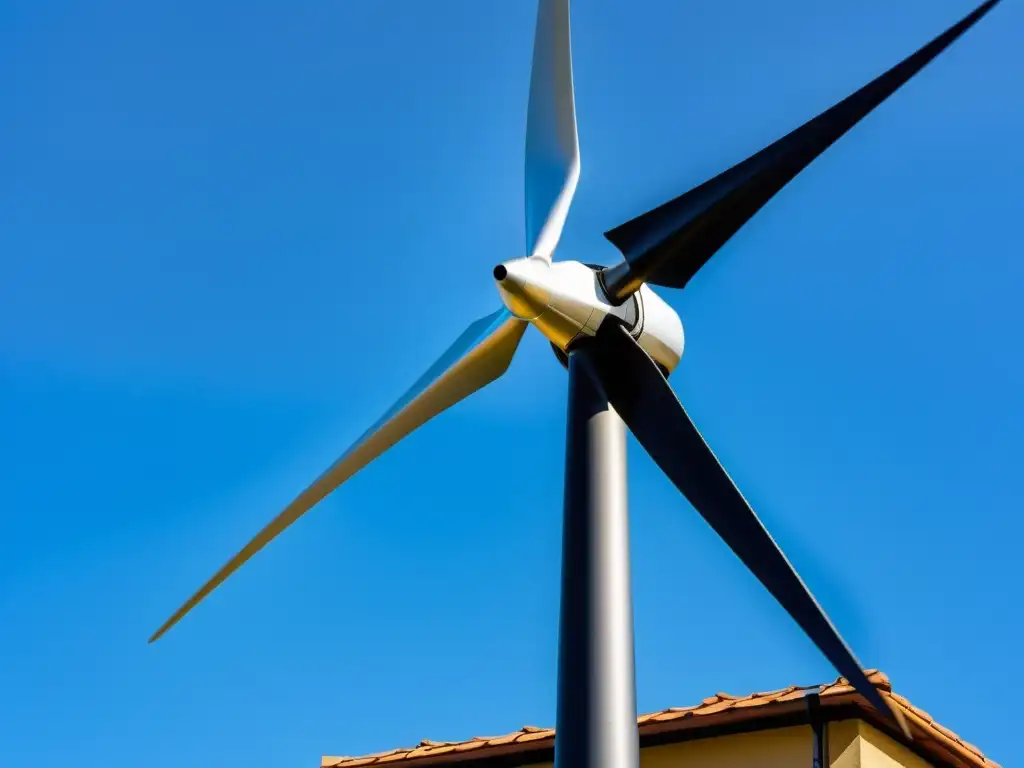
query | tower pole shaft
[596, 721]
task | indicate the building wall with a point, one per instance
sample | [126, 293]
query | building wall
[855, 744]
[780, 748]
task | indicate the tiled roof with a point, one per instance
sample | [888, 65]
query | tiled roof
[930, 738]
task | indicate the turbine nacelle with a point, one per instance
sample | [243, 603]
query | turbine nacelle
[566, 301]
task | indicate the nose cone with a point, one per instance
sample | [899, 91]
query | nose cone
[522, 286]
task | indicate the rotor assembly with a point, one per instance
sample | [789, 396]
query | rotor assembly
[620, 342]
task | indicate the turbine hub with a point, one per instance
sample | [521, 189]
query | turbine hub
[566, 301]
[524, 287]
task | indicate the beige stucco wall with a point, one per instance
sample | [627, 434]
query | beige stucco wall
[855, 744]
[781, 748]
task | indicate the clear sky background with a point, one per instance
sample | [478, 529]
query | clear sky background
[232, 233]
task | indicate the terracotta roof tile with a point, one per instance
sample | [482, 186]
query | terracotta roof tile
[503, 739]
[396, 756]
[679, 709]
[944, 731]
[753, 700]
[548, 734]
[467, 746]
[723, 708]
[386, 752]
[712, 709]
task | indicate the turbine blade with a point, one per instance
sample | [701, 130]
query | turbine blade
[478, 357]
[552, 147]
[645, 401]
[667, 245]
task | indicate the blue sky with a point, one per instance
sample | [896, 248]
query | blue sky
[232, 233]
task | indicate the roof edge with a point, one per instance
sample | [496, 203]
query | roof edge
[715, 716]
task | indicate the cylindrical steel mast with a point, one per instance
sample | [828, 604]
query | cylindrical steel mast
[596, 722]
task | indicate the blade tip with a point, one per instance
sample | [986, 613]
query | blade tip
[895, 713]
[160, 632]
[901, 721]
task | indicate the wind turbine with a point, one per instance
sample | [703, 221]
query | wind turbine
[619, 341]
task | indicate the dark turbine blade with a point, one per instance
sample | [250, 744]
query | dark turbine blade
[649, 407]
[667, 245]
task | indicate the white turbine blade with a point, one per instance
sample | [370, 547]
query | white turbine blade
[478, 357]
[552, 147]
